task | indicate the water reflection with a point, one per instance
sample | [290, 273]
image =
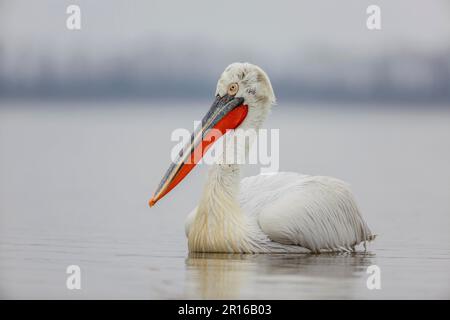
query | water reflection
[231, 276]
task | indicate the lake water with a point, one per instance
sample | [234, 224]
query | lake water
[75, 180]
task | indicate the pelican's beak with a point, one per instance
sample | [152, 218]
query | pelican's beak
[226, 113]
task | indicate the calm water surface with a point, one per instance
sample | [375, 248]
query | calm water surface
[75, 181]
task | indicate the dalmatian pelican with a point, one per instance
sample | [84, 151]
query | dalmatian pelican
[277, 213]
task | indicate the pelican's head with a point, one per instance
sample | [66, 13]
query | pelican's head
[244, 96]
[252, 84]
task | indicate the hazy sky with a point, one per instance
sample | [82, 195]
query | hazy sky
[278, 32]
[275, 27]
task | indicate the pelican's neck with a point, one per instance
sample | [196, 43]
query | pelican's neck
[219, 225]
[221, 191]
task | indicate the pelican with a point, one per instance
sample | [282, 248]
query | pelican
[278, 213]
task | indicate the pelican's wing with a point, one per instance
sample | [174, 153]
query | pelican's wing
[318, 213]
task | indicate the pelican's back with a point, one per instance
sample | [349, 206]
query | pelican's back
[315, 212]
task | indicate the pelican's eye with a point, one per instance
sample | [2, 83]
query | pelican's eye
[233, 89]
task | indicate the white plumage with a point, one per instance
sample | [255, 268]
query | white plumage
[314, 212]
[282, 212]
